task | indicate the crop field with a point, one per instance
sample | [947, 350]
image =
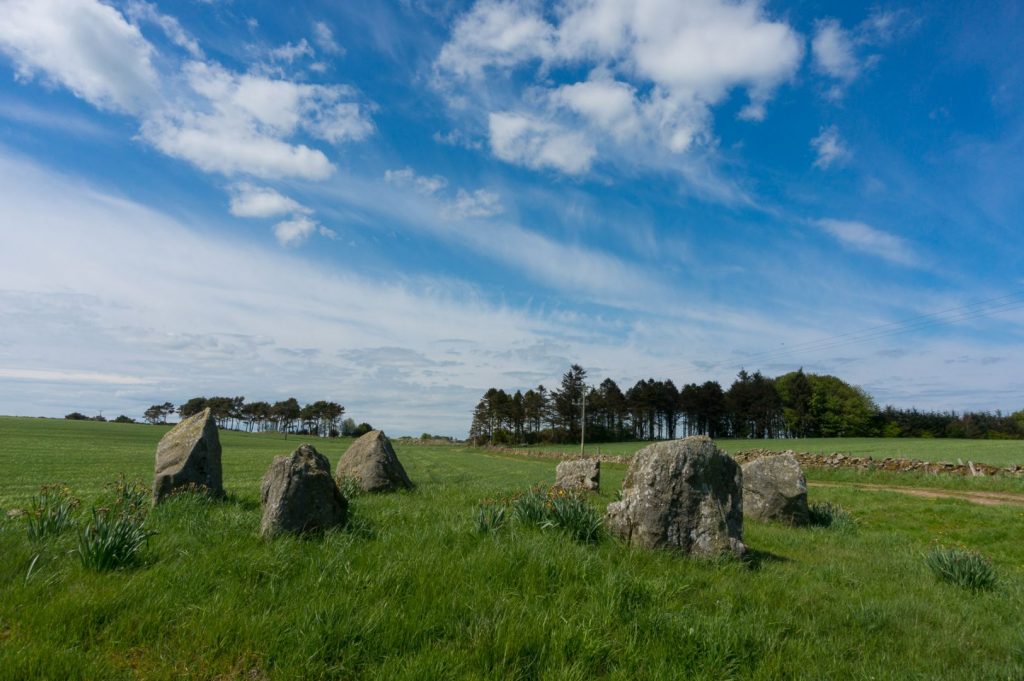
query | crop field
[411, 589]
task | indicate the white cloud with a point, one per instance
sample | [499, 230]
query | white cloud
[84, 45]
[216, 119]
[829, 148]
[658, 66]
[858, 236]
[289, 52]
[495, 33]
[139, 11]
[251, 201]
[478, 204]
[833, 51]
[245, 120]
[293, 232]
[524, 140]
[323, 36]
[407, 177]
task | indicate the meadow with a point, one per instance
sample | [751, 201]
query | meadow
[411, 590]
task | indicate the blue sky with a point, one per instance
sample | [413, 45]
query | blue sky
[399, 205]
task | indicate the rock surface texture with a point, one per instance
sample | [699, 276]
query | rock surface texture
[684, 495]
[299, 494]
[371, 461]
[579, 474]
[188, 456]
[774, 488]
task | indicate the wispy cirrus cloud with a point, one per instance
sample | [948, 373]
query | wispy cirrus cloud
[858, 236]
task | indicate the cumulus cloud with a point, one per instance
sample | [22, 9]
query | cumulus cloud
[864, 238]
[829, 148]
[478, 204]
[293, 232]
[251, 201]
[657, 68]
[407, 177]
[84, 45]
[198, 111]
[843, 55]
[535, 143]
[833, 51]
[289, 52]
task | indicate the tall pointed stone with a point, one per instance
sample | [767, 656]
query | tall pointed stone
[299, 494]
[685, 495]
[372, 462]
[188, 456]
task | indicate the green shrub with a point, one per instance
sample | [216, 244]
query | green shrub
[131, 497]
[51, 512]
[490, 517]
[830, 515]
[557, 508]
[112, 540]
[530, 507]
[575, 516]
[961, 567]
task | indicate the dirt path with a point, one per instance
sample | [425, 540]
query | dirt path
[984, 498]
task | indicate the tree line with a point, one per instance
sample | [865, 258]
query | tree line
[322, 418]
[796, 404]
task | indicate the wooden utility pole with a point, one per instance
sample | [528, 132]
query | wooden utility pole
[583, 421]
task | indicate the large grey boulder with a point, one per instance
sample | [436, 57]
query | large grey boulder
[188, 457]
[372, 462]
[774, 488]
[299, 494]
[684, 495]
[579, 474]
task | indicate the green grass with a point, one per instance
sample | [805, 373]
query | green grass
[415, 591]
[994, 452]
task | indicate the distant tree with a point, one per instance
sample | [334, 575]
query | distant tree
[348, 427]
[285, 413]
[568, 401]
[192, 407]
[155, 414]
[362, 429]
[124, 419]
[77, 416]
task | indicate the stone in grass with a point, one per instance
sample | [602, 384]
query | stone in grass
[188, 457]
[299, 494]
[774, 488]
[579, 474]
[683, 495]
[371, 461]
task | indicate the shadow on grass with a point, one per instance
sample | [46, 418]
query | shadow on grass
[755, 559]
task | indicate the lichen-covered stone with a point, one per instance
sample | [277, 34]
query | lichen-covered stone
[774, 488]
[188, 457]
[684, 495]
[299, 494]
[579, 474]
[372, 462]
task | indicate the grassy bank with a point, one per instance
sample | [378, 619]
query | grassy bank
[414, 591]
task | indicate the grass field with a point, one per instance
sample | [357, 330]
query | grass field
[995, 452]
[416, 593]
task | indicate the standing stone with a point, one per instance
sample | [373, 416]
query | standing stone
[581, 474]
[774, 488]
[685, 495]
[372, 462]
[300, 495]
[188, 456]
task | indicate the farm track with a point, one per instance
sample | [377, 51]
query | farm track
[983, 498]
